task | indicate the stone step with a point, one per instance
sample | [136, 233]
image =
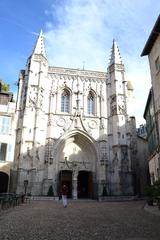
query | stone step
[117, 198]
[100, 199]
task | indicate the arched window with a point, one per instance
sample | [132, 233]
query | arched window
[65, 97]
[90, 103]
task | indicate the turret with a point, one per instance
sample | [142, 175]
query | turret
[38, 54]
[39, 47]
[32, 111]
[118, 127]
[115, 54]
[36, 78]
[117, 94]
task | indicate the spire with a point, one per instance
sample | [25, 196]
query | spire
[115, 54]
[39, 47]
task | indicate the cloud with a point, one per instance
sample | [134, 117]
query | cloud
[77, 36]
[82, 31]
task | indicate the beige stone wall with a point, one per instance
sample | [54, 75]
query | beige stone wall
[154, 163]
[155, 78]
[142, 164]
[153, 168]
[5, 167]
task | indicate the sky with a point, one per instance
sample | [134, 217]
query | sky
[79, 33]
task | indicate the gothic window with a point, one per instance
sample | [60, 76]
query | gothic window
[90, 104]
[65, 99]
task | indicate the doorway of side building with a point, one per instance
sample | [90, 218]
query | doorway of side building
[65, 177]
[3, 182]
[84, 184]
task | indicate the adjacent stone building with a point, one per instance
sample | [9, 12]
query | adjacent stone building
[152, 111]
[7, 137]
[73, 127]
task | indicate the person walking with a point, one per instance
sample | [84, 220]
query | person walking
[64, 195]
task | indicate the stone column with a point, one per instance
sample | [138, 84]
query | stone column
[74, 184]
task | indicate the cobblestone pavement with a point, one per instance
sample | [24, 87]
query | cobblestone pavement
[81, 220]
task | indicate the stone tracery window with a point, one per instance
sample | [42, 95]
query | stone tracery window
[65, 99]
[91, 103]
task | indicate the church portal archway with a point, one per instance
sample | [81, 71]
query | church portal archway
[76, 164]
[85, 184]
[3, 182]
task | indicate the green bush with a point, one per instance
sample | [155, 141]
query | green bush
[149, 191]
[104, 193]
[153, 192]
[3, 86]
[50, 191]
[157, 188]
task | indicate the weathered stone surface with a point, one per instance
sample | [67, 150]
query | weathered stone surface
[81, 220]
[76, 121]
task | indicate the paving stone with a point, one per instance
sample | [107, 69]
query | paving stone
[81, 220]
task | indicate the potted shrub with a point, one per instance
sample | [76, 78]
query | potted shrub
[50, 192]
[157, 192]
[104, 193]
[150, 193]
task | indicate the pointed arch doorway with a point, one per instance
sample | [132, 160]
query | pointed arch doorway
[77, 158]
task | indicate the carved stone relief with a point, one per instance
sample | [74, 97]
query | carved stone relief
[113, 110]
[113, 99]
[37, 155]
[103, 153]
[50, 120]
[121, 109]
[33, 97]
[102, 123]
[92, 124]
[124, 159]
[115, 162]
[28, 158]
[61, 122]
[49, 152]
[74, 165]
[72, 73]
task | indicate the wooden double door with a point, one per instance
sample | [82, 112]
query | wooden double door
[84, 183]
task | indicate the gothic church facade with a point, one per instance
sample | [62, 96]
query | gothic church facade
[73, 127]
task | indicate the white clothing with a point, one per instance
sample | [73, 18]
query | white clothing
[64, 200]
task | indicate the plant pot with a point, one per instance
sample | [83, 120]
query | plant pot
[150, 202]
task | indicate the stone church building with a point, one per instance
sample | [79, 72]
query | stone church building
[73, 128]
